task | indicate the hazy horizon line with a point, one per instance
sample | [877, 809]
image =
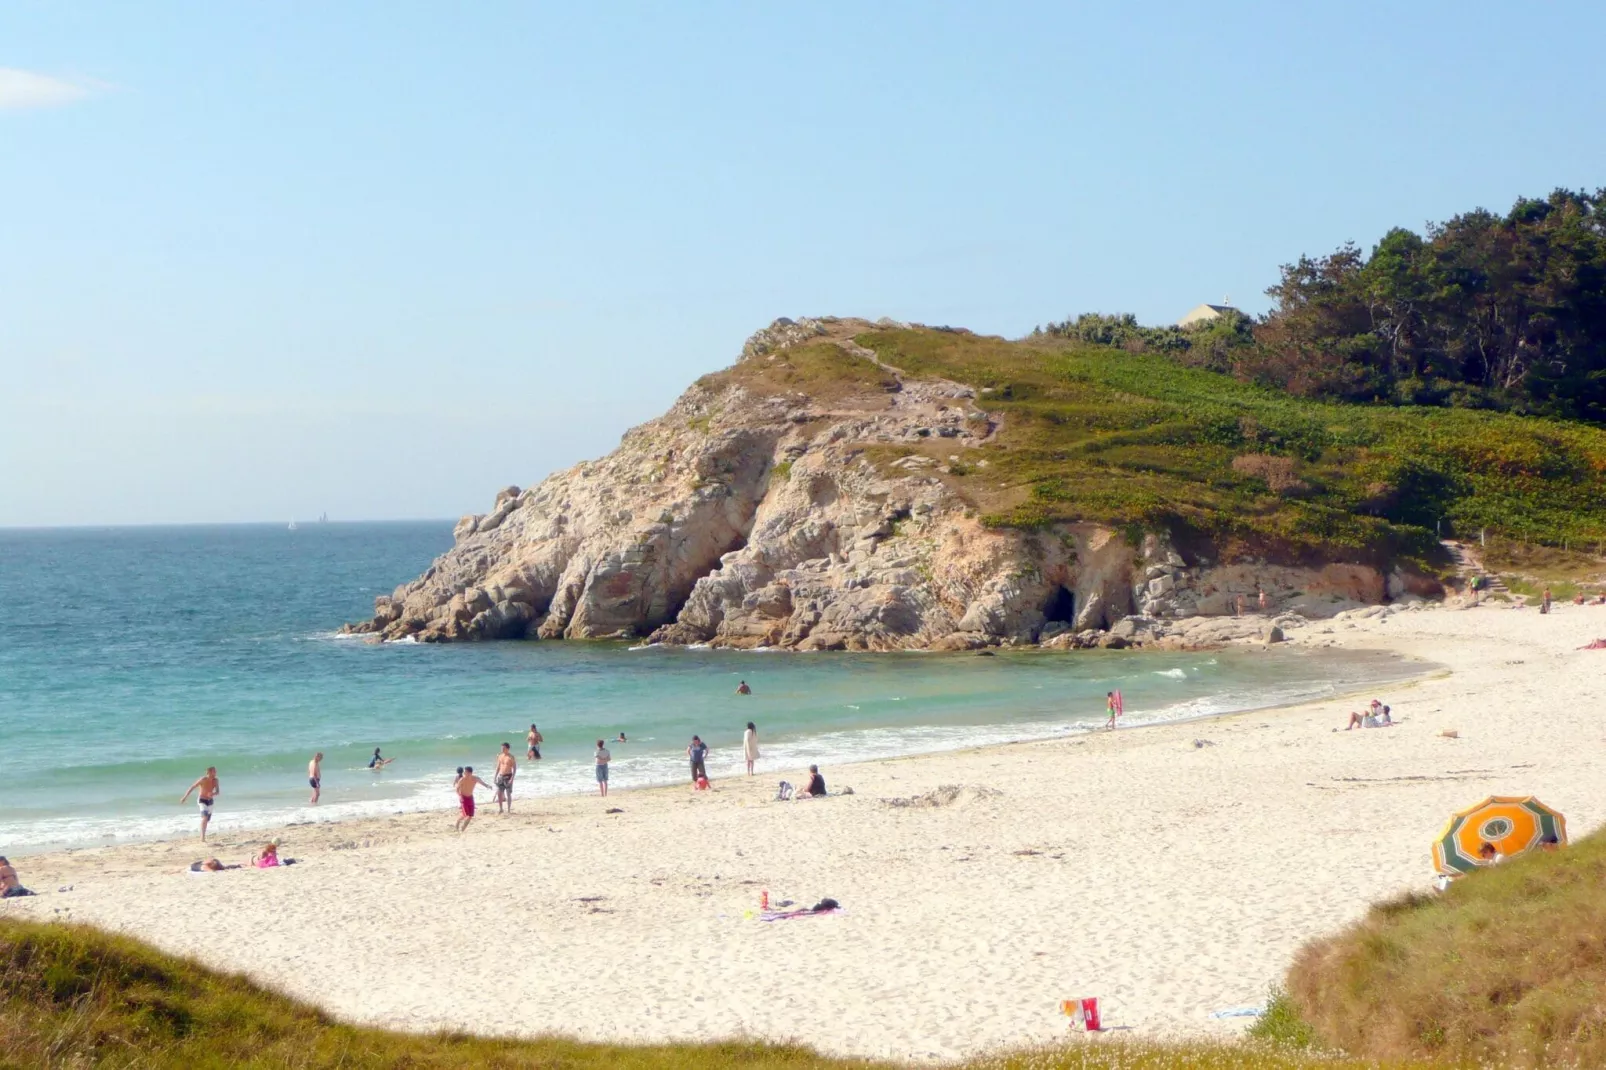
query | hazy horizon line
[223, 523]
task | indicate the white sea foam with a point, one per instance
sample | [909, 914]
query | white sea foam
[1175, 674]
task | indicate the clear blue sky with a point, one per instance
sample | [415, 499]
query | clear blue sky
[263, 260]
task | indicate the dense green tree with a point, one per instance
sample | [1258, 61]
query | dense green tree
[1485, 310]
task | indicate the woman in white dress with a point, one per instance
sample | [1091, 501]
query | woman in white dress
[750, 746]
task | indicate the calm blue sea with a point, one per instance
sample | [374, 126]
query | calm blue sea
[132, 658]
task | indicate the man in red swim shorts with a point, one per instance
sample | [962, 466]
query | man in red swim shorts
[465, 795]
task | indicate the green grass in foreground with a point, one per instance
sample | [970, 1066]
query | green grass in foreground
[1507, 968]
[71, 996]
[1139, 441]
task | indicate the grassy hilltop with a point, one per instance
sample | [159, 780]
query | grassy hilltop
[1140, 441]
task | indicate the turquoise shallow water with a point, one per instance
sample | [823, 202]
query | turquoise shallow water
[132, 658]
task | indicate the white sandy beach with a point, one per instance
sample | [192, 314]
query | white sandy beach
[1168, 879]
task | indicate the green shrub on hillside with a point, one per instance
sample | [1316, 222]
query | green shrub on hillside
[1135, 439]
[1506, 968]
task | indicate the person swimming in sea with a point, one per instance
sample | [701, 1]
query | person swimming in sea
[743, 689]
[376, 763]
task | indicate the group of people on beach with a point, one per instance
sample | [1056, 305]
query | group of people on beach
[465, 782]
[506, 768]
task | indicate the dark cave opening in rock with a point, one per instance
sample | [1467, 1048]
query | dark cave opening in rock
[1061, 607]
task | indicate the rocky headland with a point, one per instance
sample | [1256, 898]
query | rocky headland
[817, 497]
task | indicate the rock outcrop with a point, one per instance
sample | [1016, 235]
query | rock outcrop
[756, 514]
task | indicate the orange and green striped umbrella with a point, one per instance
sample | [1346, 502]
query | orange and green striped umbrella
[1512, 823]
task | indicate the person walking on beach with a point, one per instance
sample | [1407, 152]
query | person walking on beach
[315, 777]
[750, 746]
[376, 763]
[697, 751]
[208, 788]
[465, 796]
[505, 768]
[1112, 708]
[1544, 606]
[1261, 594]
[603, 758]
[532, 739]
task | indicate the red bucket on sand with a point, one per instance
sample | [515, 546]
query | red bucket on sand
[1084, 1011]
[1090, 1014]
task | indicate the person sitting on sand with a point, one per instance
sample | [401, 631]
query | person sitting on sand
[376, 763]
[1490, 855]
[269, 856]
[1550, 843]
[1355, 721]
[10, 884]
[816, 785]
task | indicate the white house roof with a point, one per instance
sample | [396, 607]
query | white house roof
[1203, 313]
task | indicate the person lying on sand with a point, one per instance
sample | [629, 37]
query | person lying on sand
[816, 785]
[210, 865]
[10, 884]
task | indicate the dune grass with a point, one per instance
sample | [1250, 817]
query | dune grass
[1139, 441]
[71, 996]
[1506, 968]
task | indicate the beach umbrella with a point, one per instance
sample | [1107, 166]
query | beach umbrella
[1513, 823]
